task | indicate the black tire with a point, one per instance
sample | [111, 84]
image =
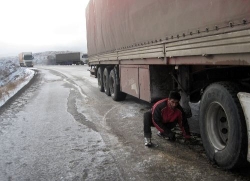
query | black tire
[106, 73]
[222, 126]
[114, 87]
[100, 79]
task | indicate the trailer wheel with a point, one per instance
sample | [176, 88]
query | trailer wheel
[222, 126]
[100, 78]
[114, 87]
[106, 73]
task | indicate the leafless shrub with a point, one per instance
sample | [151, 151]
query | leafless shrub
[4, 90]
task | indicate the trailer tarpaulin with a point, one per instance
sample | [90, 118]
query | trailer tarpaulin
[115, 24]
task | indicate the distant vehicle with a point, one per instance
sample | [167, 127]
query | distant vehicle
[25, 59]
[68, 58]
[84, 58]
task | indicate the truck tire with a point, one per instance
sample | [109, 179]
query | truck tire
[100, 79]
[106, 73]
[222, 126]
[114, 87]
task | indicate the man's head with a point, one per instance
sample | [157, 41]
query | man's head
[174, 99]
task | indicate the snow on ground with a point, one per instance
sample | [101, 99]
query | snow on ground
[12, 78]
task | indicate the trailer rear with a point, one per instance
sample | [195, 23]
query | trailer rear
[68, 58]
[21, 60]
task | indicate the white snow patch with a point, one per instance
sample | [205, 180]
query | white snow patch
[11, 72]
[129, 112]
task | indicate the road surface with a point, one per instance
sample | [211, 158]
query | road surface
[60, 127]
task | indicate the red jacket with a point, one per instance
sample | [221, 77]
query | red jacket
[163, 114]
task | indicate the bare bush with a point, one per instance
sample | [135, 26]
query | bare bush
[4, 90]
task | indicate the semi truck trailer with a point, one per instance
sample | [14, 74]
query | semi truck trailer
[146, 48]
[21, 60]
[68, 58]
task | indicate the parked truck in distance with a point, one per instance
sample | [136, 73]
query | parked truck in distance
[26, 59]
[68, 58]
[201, 48]
[84, 58]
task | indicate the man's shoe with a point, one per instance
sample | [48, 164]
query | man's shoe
[147, 142]
[161, 135]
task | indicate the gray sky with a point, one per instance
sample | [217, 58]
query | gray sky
[42, 25]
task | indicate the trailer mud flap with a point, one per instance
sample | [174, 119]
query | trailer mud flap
[245, 104]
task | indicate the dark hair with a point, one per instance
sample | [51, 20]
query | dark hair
[174, 95]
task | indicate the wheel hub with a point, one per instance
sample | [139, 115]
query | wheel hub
[217, 126]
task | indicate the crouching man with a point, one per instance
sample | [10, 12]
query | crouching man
[164, 116]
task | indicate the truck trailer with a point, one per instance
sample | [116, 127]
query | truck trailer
[26, 59]
[68, 58]
[146, 48]
[21, 60]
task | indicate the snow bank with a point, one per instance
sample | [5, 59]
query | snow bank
[12, 78]
[7, 67]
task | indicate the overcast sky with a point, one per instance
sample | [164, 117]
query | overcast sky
[42, 25]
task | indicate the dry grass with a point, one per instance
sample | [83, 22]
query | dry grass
[4, 90]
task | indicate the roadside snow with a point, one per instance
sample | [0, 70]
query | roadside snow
[12, 78]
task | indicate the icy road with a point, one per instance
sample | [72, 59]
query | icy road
[61, 127]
